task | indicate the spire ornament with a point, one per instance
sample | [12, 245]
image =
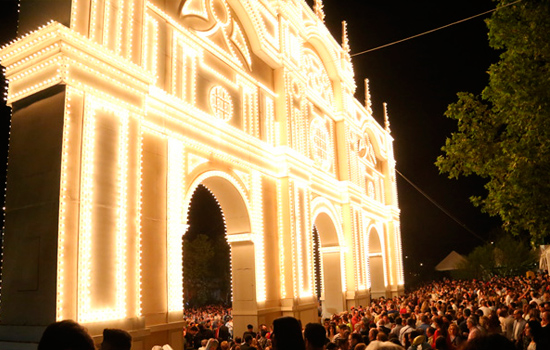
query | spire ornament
[318, 8]
[368, 101]
[386, 118]
[345, 40]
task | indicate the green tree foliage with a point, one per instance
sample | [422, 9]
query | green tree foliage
[504, 134]
[206, 270]
[479, 264]
[507, 257]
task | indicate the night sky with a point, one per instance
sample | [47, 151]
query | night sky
[418, 79]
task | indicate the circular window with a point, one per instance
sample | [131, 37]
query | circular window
[221, 103]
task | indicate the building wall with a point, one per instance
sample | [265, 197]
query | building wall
[252, 99]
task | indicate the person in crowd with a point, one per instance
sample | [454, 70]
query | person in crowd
[203, 344]
[116, 339]
[373, 333]
[207, 332]
[332, 331]
[440, 330]
[387, 345]
[506, 322]
[354, 339]
[424, 324]
[249, 330]
[190, 338]
[397, 326]
[212, 344]
[489, 342]
[382, 325]
[545, 324]
[493, 325]
[473, 329]
[454, 339]
[222, 332]
[263, 340]
[65, 335]
[409, 327]
[287, 334]
[463, 326]
[519, 325]
[417, 341]
[248, 342]
[430, 332]
[355, 318]
[381, 336]
[441, 343]
[343, 333]
[315, 337]
[229, 325]
[537, 339]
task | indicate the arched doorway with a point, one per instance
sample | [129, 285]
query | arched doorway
[377, 269]
[206, 253]
[231, 197]
[330, 265]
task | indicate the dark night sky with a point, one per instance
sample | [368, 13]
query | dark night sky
[418, 79]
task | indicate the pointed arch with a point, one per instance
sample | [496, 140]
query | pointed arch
[229, 192]
[232, 198]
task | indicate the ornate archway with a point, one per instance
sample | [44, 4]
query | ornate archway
[233, 203]
[122, 108]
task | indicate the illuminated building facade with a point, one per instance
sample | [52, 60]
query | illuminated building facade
[121, 108]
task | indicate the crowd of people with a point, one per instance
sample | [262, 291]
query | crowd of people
[502, 313]
[442, 315]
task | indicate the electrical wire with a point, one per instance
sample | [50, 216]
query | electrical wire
[446, 212]
[433, 30]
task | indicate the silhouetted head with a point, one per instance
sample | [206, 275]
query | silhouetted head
[65, 335]
[287, 334]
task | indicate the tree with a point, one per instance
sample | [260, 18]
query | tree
[479, 264]
[507, 257]
[207, 274]
[198, 254]
[504, 134]
[513, 257]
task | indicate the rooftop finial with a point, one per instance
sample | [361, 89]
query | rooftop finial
[386, 118]
[318, 8]
[345, 40]
[368, 102]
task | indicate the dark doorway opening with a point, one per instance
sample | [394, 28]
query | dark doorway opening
[206, 253]
[317, 263]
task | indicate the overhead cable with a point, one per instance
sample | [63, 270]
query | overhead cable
[446, 212]
[433, 30]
